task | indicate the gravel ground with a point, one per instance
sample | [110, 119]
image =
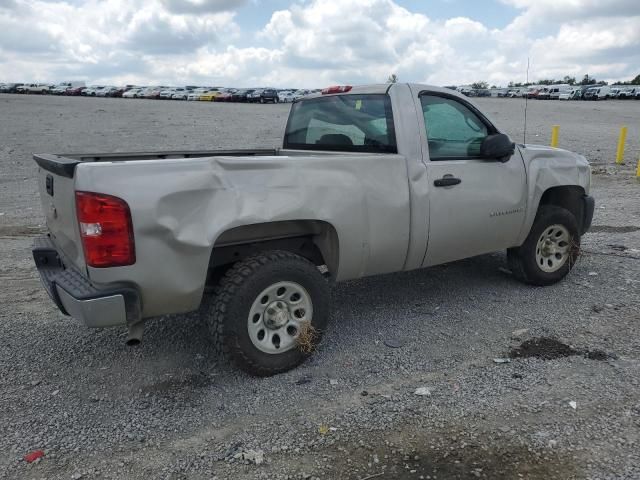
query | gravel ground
[405, 384]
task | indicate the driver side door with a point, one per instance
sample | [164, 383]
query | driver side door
[477, 205]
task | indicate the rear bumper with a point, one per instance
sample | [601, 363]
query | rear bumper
[589, 204]
[76, 296]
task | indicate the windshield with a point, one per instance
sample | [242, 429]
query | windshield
[350, 123]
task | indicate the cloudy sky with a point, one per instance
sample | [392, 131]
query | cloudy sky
[315, 43]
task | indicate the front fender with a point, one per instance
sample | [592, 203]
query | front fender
[547, 168]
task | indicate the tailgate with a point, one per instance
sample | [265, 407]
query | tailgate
[57, 194]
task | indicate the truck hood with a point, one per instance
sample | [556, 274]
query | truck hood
[557, 166]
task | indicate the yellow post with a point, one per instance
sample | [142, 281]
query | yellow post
[555, 135]
[621, 140]
[638, 170]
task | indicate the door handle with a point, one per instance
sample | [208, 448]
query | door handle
[447, 181]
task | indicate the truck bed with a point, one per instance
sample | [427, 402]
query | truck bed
[64, 165]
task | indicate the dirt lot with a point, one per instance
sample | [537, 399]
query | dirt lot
[566, 405]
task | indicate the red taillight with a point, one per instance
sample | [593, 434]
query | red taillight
[336, 89]
[106, 230]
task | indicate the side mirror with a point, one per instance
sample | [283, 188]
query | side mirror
[497, 147]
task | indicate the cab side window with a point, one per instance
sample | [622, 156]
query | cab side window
[454, 131]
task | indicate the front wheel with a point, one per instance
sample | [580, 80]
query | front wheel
[550, 250]
[269, 312]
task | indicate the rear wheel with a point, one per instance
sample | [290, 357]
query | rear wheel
[269, 312]
[550, 250]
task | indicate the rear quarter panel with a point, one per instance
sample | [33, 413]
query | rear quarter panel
[180, 207]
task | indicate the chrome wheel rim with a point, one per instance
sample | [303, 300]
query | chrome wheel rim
[553, 248]
[277, 316]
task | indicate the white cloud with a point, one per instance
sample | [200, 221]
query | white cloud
[202, 6]
[312, 43]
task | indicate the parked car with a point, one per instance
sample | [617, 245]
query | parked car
[10, 87]
[106, 91]
[241, 95]
[298, 94]
[59, 90]
[556, 90]
[117, 92]
[166, 93]
[285, 96]
[63, 87]
[194, 94]
[482, 92]
[533, 92]
[209, 95]
[600, 92]
[39, 88]
[75, 91]
[225, 95]
[132, 93]
[543, 94]
[91, 90]
[269, 95]
[152, 92]
[571, 94]
[628, 93]
[180, 93]
[260, 224]
[254, 96]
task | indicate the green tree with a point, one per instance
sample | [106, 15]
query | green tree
[569, 80]
[588, 81]
[480, 85]
[393, 78]
[634, 81]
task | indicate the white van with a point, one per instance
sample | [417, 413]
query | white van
[556, 90]
[601, 92]
[571, 94]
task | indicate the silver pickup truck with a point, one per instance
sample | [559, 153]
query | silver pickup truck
[370, 180]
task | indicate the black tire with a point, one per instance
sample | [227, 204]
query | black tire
[522, 260]
[228, 312]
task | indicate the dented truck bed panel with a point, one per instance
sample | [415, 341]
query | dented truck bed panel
[177, 222]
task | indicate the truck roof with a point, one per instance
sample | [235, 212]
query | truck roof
[381, 88]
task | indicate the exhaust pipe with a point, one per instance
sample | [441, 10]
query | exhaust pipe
[134, 336]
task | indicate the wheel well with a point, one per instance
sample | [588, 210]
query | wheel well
[569, 197]
[314, 240]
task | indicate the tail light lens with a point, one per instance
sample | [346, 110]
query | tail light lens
[106, 230]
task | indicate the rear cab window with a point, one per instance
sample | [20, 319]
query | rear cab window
[348, 123]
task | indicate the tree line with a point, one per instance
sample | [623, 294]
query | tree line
[586, 80]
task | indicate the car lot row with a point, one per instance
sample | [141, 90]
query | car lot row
[210, 94]
[575, 92]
